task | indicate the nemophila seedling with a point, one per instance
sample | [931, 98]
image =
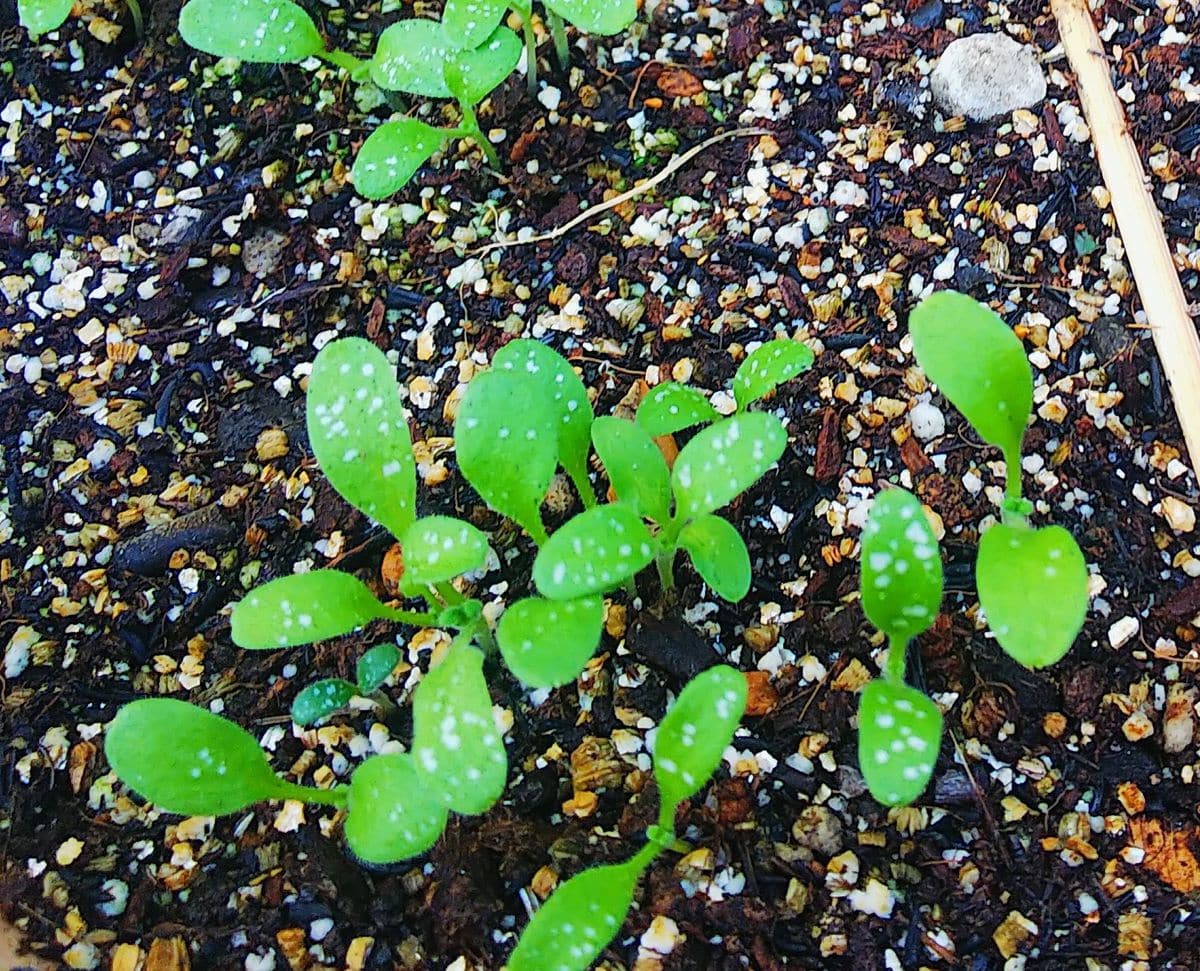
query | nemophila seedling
[322, 698]
[582, 916]
[1032, 583]
[899, 728]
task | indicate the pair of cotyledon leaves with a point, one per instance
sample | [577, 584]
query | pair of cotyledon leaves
[187, 760]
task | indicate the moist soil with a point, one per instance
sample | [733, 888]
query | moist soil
[146, 484]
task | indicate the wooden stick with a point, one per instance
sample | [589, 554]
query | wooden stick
[1138, 219]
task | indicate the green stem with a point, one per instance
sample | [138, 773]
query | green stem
[471, 126]
[559, 32]
[665, 561]
[893, 669]
[326, 797]
[484, 635]
[386, 705]
[416, 618]
[139, 22]
[531, 64]
[583, 485]
[450, 596]
[356, 67]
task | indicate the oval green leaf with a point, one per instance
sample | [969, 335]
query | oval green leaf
[187, 760]
[719, 555]
[671, 407]
[391, 156]
[321, 699]
[636, 468]
[767, 367]
[507, 445]
[977, 362]
[899, 734]
[359, 433]
[302, 609]
[596, 551]
[724, 460]
[410, 56]
[376, 666]
[471, 75]
[393, 814]
[259, 31]
[468, 23]
[901, 569]
[601, 17]
[546, 643]
[1032, 585]
[455, 741]
[438, 548]
[39, 16]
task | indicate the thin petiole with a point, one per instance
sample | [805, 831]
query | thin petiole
[558, 31]
[893, 668]
[336, 796]
[471, 127]
[357, 68]
[531, 62]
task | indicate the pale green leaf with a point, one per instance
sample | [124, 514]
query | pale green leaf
[376, 666]
[410, 56]
[321, 699]
[302, 609]
[595, 552]
[636, 468]
[767, 367]
[391, 156]
[546, 643]
[187, 760]
[468, 23]
[393, 812]
[438, 548]
[719, 555]
[471, 75]
[602, 17]
[724, 460]
[901, 569]
[359, 433]
[261, 31]
[977, 362]
[39, 16]
[455, 740]
[899, 734]
[671, 407]
[1033, 588]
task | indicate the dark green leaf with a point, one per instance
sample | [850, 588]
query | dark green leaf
[391, 156]
[546, 643]
[601, 17]
[376, 666]
[321, 699]
[262, 31]
[719, 556]
[596, 551]
[394, 813]
[302, 609]
[438, 548]
[724, 460]
[767, 367]
[901, 568]
[670, 407]
[899, 734]
[636, 468]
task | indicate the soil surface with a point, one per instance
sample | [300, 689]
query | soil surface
[176, 244]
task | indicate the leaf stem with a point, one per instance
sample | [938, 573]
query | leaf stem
[416, 618]
[450, 596]
[583, 485]
[326, 797]
[483, 634]
[665, 562]
[558, 31]
[893, 668]
[139, 21]
[471, 127]
[356, 67]
[531, 57]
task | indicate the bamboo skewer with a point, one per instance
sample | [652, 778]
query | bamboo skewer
[1138, 218]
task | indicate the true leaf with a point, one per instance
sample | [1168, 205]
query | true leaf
[302, 609]
[359, 433]
[187, 760]
[375, 666]
[507, 444]
[321, 699]
[724, 460]
[719, 555]
[393, 812]
[468, 23]
[39, 16]
[438, 548]
[636, 468]
[596, 551]
[547, 374]
[392, 154]
[470, 75]
[455, 740]
[1032, 585]
[546, 643]
[899, 733]
[767, 367]
[694, 734]
[601, 17]
[976, 360]
[901, 568]
[671, 407]
[572, 928]
[261, 31]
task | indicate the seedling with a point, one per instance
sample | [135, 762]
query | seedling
[582, 916]
[322, 698]
[1032, 583]
[40, 16]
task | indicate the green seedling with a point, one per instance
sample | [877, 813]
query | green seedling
[899, 728]
[40, 16]
[322, 698]
[583, 915]
[1032, 583]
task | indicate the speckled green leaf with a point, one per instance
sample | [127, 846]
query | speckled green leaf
[695, 732]
[671, 407]
[724, 460]
[899, 734]
[187, 760]
[603, 17]
[391, 156]
[262, 31]
[438, 548]
[359, 433]
[376, 666]
[572, 928]
[595, 552]
[471, 75]
[636, 468]
[550, 376]
[302, 609]
[412, 56]
[468, 23]
[321, 699]
[767, 367]
[546, 643]
[1033, 588]
[901, 568]
[455, 740]
[393, 813]
[719, 555]
[507, 445]
[977, 362]
[39, 16]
